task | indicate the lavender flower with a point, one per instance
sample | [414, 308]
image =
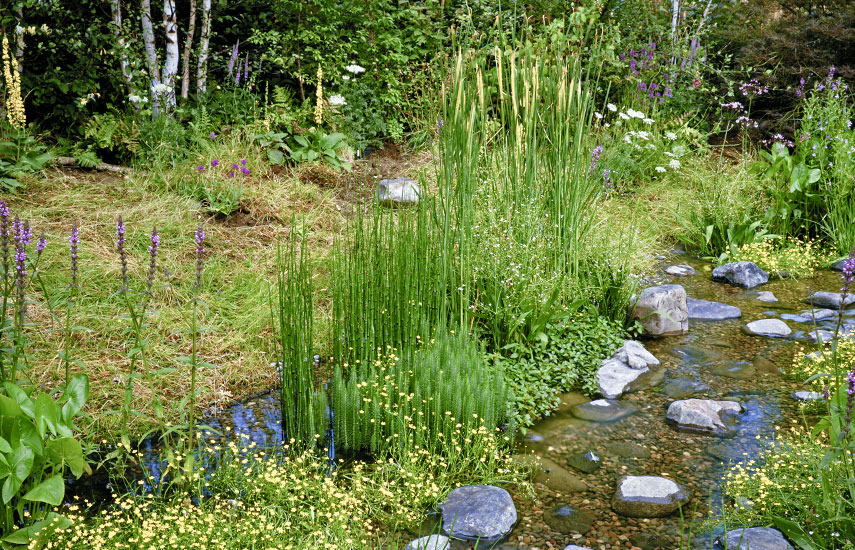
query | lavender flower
[200, 168]
[234, 57]
[214, 163]
[72, 247]
[40, 246]
[848, 274]
[595, 157]
[4, 236]
[212, 135]
[246, 69]
[22, 239]
[152, 264]
[200, 254]
[850, 403]
[123, 256]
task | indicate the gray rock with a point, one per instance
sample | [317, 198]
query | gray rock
[725, 452]
[831, 300]
[614, 378]
[702, 414]
[648, 496]
[398, 191]
[818, 335]
[805, 395]
[681, 270]
[478, 512]
[813, 356]
[634, 355]
[810, 317]
[753, 538]
[679, 388]
[704, 310]
[626, 449]
[432, 542]
[585, 462]
[838, 265]
[557, 478]
[744, 274]
[603, 410]
[773, 328]
[574, 547]
[662, 310]
[648, 541]
[741, 370]
[766, 296]
[568, 519]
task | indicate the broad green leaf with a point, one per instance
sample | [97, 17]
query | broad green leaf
[9, 407]
[41, 530]
[67, 451]
[24, 432]
[46, 414]
[794, 532]
[20, 466]
[49, 491]
[275, 156]
[20, 396]
[4, 446]
[77, 392]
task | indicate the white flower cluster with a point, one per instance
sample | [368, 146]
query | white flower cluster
[355, 69]
[137, 99]
[337, 100]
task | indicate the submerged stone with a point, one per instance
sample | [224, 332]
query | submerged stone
[585, 462]
[557, 478]
[568, 519]
[626, 449]
[744, 274]
[679, 388]
[766, 296]
[603, 410]
[648, 496]
[740, 370]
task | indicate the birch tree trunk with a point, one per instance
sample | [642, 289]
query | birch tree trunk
[675, 17]
[188, 49]
[151, 56]
[116, 11]
[170, 62]
[204, 39]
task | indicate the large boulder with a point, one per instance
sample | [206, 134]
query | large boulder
[744, 274]
[773, 328]
[398, 191]
[617, 374]
[432, 542]
[702, 414]
[478, 513]
[753, 538]
[831, 300]
[705, 310]
[648, 496]
[662, 310]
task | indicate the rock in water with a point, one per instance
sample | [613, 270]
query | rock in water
[744, 274]
[585, 462]
[832, 300]
[704, 310]
[838, 265]
[753, 538]
[568, 519]
[766, 296]
[662, 310]
[398, 191]
[648, 496]
[603, 410]
[702, 414]
[805, 395]
[774, 328]
[574, 547]
[478, 512]
[680, 270]
[616, 374]
[433, 542]
[557, 478]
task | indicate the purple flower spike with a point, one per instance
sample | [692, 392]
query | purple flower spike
[152, 264]
[215, 162]
[22, 239]
[243, 162]
[234, 57]
[120, 247]
[212, 135]
[199, 236]
[40, 247]
[200, 168]
[72, 246]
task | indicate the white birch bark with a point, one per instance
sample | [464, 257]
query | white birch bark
[704, 16]
[116, 12]
[170, 62]
[151, 56]
[204, 39]
[675, 17]
[188, 49]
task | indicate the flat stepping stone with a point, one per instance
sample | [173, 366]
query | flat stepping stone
[743, 274]
[805, 395]
[432, 542]
[680, 270]
[808, 317]
[831, 300]
[753, 538]
[552, 475]
[704, 310]
[740, 370]
[481, 513]
[766, 296]
[626, 449]
[648, 496]
[568, 519]
[702, 415]
[772, 328]
[398, 191]
[585, 462]
[679, 388]
[603, 410]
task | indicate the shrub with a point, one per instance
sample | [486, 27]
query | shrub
[784, 256]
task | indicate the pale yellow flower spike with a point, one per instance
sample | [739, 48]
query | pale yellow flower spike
[319, 98]
[14, 103]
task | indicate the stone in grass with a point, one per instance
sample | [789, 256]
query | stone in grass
[753, 538]
[432, 542]
[568, 519]
[398, 191]
[704, 415]
[478, 513]
[766, 296]
[704, 310]
[662, 310]
[773, 328]
[603, 410]
[585, 462]
[648, 496]
[805, 395]
[831, 300]
[744, 274]
[680, 270]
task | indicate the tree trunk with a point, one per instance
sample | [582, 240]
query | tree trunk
[188, 49]
[151, 56]
[170, 62]
[675, 17]
[116, 10]
[204, 38]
